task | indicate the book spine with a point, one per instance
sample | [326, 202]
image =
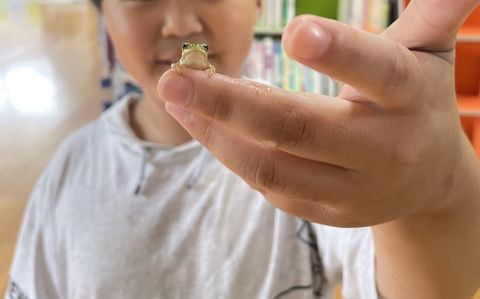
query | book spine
[262, 23]
[278, 14]
[291, 9]
[270, 13]
[269, 59]
[284, 13]
[278, 64]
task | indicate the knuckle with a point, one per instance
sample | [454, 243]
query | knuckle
[260, 171]
[293, 129]
[398, 73]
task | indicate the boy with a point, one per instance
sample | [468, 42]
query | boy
[131, 207]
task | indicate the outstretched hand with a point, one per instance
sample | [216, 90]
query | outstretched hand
[385, 148]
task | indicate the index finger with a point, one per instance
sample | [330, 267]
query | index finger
[314, 127]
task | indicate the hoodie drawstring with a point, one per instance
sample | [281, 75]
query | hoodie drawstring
[143, 168]
[199, 165]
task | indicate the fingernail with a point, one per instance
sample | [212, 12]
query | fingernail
[175, 88]
[308, 39]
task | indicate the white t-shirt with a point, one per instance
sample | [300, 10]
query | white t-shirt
[116, 217]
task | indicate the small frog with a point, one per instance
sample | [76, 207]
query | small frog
[194, 56]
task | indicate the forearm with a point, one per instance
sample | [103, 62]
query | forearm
[434, 255]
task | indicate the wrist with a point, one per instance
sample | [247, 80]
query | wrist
[435, 253]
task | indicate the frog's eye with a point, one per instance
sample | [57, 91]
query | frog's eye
[184, 46]
[205, 47]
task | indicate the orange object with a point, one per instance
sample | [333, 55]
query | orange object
[467, 76]
[467, 69]
[476, 135]
[472, 24]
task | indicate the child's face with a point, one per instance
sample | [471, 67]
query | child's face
[148, 34]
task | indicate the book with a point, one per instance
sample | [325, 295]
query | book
[268, 63]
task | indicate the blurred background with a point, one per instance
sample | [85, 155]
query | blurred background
[49, 86]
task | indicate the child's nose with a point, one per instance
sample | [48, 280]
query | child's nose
[181, 21]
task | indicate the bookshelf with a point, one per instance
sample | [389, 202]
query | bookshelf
[467, 78]
[268, 63]
[265, 31]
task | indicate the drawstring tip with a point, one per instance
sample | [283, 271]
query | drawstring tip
[190, 184]
[143, 169]
[200, 163]
[192, 180]
[137, 189]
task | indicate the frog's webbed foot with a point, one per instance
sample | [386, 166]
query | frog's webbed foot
[177, 67]
[210, 71]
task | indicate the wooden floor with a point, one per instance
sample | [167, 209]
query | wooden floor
[49, 78]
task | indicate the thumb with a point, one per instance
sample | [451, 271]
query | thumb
[430, 25]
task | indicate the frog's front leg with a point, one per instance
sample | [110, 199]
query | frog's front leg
[177, 67]
[210, 70]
